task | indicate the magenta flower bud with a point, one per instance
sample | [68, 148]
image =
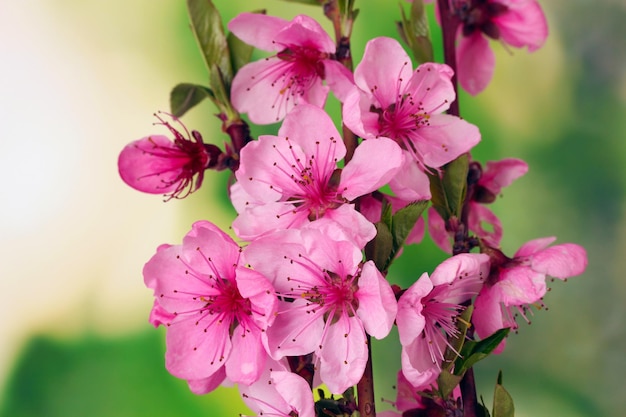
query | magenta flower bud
[158, 165]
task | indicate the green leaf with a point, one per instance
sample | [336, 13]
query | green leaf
[379, 249]
[387, 215]
[404, 220]
[415, 32]
[438, 196]
[455, 184]
[206, 24]
[185, 96]
[474, 351]
[481, 409]
[240, 52]
[456, 344]
[221, 93]
[502, 401]
[446, 382]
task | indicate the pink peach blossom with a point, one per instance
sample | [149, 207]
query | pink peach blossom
[157, 165]
[289, 180]
[518, 283]
[329, 299]
[216, 310]
[270, 88]
[391, 100]
[427, 311]
[518, 23]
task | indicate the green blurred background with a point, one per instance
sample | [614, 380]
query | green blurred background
[80, 79]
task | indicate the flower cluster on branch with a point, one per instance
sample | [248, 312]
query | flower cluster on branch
[323, 213]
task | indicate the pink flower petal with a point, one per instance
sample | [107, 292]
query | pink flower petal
[206, 385]
[313, 130]
[148, 173]
[250, 354]
[344, 354]
[338, 78]
[295, 391]
[476, 62]
[532, 247]
[561, 261]
[524, 24]
[430, 85]
[383, 82]
[262, 89]
[377, 302]
[444, 139]
[258, 30]
[410, 182]
[374, 164]
[481, 220]
[438, 232]
[305, 31]
[500, 174]
[409, 318]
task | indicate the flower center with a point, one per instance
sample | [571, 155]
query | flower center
[479, 16]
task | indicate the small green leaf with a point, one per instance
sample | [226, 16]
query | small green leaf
[240, 52]
[221, 95]
[387, 214]
[502, 401]
[455, 184]
[473, 351]
[185, 96]
[481, 409]
[379, 249]
[404, 220]
[206, 24]
[415, 32]
[446, 382]
[456, 344]
[438, 196]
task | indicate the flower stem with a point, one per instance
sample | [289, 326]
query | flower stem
[449, 24]
[365, 387]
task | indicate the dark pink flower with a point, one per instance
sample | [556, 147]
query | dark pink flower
[157, 165]
[216, 310]
[393, 101]
[270, 88]
[427, 313]
[518, 23]
[518, 283]
[329, 299]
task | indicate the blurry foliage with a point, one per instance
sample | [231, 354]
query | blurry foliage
[97, 377]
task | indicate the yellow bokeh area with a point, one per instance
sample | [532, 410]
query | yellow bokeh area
[80, 79]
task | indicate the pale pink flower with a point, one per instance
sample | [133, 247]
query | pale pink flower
[330, 298]
[279, 393]
[391, 100]
[289, 180]
[270, 88]
[481, 220]
[518, 23]
[216, 310]
[157, 165]
[427, 313]
[518, 283]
